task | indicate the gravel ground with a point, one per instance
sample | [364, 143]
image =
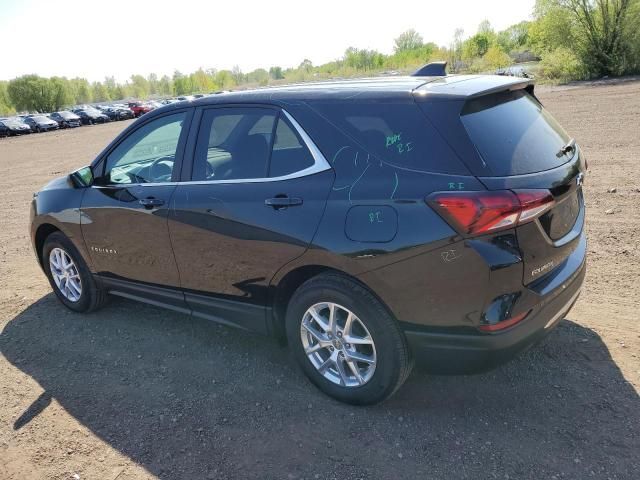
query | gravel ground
[135, 392]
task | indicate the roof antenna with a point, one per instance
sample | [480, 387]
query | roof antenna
[433, 69]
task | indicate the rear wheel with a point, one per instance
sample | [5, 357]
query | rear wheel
[346, 341]
[69, 275]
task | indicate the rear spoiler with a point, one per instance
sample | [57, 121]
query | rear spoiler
[471, 86]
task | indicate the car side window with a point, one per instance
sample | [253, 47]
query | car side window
[234, 143]
[290, 154]
[148, 154]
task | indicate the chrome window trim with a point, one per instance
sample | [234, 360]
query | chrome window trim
[320, 164]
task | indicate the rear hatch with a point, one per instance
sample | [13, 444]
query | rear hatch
[511, 143]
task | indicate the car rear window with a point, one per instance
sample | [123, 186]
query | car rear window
[514, 134]
[396, 133]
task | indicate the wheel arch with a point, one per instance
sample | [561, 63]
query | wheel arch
[42, 232]
[291, 281]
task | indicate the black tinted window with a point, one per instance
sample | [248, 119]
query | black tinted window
[233, 143]
[397, 133]
[148, 154]
[289, 154]
[514, 134]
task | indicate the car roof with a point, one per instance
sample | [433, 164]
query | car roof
[377, 88]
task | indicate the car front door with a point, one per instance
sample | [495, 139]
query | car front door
[253, 202]
[124, 214]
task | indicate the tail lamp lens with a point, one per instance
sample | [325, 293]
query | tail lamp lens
[474, 213]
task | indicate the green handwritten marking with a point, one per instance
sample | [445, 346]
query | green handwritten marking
[460, 186]
[375, 217]
[333, 160]
[452, 186]
[393, 139]
[456, 186]
[396, 185]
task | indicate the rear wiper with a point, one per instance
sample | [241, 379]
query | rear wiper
[570, 146]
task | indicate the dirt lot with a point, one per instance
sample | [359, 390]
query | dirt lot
[137, 392]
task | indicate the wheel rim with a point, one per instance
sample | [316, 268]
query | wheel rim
[65, 274]
[338, 344]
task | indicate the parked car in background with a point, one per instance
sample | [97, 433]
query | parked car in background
[139, 108]
[66, 119]
[429, 219]
[91, 116]
[117, 113]
[15, 126]
[40, 123]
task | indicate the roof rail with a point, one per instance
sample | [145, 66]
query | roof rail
[433, 69]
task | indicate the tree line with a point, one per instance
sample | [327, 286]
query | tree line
[571, 39]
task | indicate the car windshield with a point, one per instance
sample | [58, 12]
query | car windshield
[39, 118]
[67, 115]
[13, 122]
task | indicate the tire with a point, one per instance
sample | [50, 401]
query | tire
[388, 349]
[91, 297]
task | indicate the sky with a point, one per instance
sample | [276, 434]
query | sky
[98, 38]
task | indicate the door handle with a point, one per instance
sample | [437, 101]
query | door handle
[151, 202]
[282, 201]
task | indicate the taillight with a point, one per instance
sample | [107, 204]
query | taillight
[474, 213]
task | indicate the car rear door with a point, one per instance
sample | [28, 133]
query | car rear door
[124, 214]
[252, 203]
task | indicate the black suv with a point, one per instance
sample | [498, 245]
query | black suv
[371, 223]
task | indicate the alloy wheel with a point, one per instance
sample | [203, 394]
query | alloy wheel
[65, 274]
[338, 344]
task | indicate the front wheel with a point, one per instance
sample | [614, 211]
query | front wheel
[346, 341]
[69, 276]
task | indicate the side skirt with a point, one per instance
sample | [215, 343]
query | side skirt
[221, 310]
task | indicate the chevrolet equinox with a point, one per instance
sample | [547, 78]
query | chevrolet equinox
[372, 223]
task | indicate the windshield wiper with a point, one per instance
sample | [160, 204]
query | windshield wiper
[570, 146]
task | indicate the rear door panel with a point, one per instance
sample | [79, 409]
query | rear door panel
[228, 244]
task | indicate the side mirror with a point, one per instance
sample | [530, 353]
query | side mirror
[82, 178]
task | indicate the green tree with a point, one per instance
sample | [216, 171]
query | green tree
[259, 76]
[514, 37]
[100, 92]
[237, 75]
[552, 27]
[165, 86]
[225, 80]
[495, 58]
[408, 40]
[476, 46]
[276, 73]
[6, 107]
[363, 59]
[139, 86]
[31, 93]
[80, 91]
[607, 29]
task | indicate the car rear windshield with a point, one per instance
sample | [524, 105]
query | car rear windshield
[396, 133]
[514, 134]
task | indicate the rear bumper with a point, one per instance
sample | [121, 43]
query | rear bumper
[452, 353]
